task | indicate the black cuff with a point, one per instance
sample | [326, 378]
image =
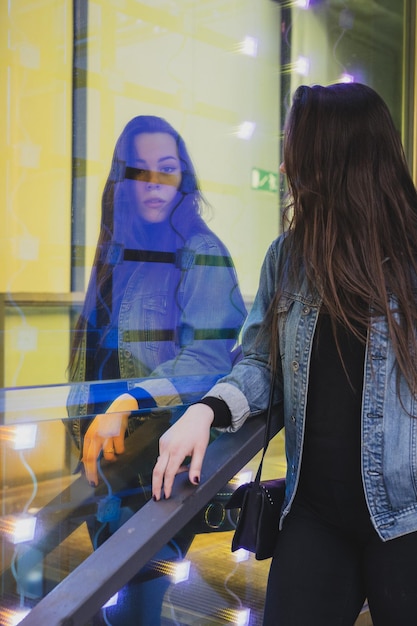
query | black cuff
[222, 414]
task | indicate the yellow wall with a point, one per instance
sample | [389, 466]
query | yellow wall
[36, 345]
[35, 179]
[35, 159]
[35, 183]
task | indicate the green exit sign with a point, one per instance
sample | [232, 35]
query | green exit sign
[264, 180]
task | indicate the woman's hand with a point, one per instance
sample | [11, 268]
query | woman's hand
[107, 432]
[189, 436]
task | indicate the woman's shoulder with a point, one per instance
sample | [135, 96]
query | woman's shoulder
[204, 241]
[279, 247]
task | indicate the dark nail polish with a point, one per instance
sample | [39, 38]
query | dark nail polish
[196, 480]
[92, 484]
[154, 499]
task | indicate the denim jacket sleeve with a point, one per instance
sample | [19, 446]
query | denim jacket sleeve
[246, 389]
[206, 312]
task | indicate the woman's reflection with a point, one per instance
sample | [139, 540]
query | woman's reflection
[163, 309]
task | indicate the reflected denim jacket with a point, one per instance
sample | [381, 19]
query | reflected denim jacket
[176, 330]
[389, 425]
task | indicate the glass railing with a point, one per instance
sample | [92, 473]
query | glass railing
[52, 521]
[169, 563]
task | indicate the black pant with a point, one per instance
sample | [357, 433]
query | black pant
[322, 573]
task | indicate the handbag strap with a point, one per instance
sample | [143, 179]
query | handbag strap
[267, 433]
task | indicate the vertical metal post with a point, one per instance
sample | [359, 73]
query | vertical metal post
[409, 122]
[285, 88]
[79, 143]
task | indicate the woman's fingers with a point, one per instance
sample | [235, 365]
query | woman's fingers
[109, 450]
[99, 437]
[119, 440]
[91, 450]
[196, 464]
[166, 468]
[189, 436]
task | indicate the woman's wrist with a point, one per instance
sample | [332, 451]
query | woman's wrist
[222, 417]
[123, 404]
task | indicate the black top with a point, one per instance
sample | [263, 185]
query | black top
[330, 479]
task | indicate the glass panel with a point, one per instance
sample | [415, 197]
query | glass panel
[134, 59]
[209, 69]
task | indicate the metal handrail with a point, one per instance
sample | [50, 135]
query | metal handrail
[85, 590]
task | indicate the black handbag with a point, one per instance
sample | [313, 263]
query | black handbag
[260, 504]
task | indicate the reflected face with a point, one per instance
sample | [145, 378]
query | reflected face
[154, 175]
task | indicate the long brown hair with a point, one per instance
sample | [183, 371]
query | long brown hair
[352, 213]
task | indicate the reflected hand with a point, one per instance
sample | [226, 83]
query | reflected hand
[189, 436]
[107, 432]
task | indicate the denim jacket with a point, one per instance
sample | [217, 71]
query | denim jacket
[175, 332]
[389, 425]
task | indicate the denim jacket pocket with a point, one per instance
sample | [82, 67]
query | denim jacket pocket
[155, 319]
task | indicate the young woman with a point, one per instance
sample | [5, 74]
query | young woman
[160, 322]
[334, 326]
